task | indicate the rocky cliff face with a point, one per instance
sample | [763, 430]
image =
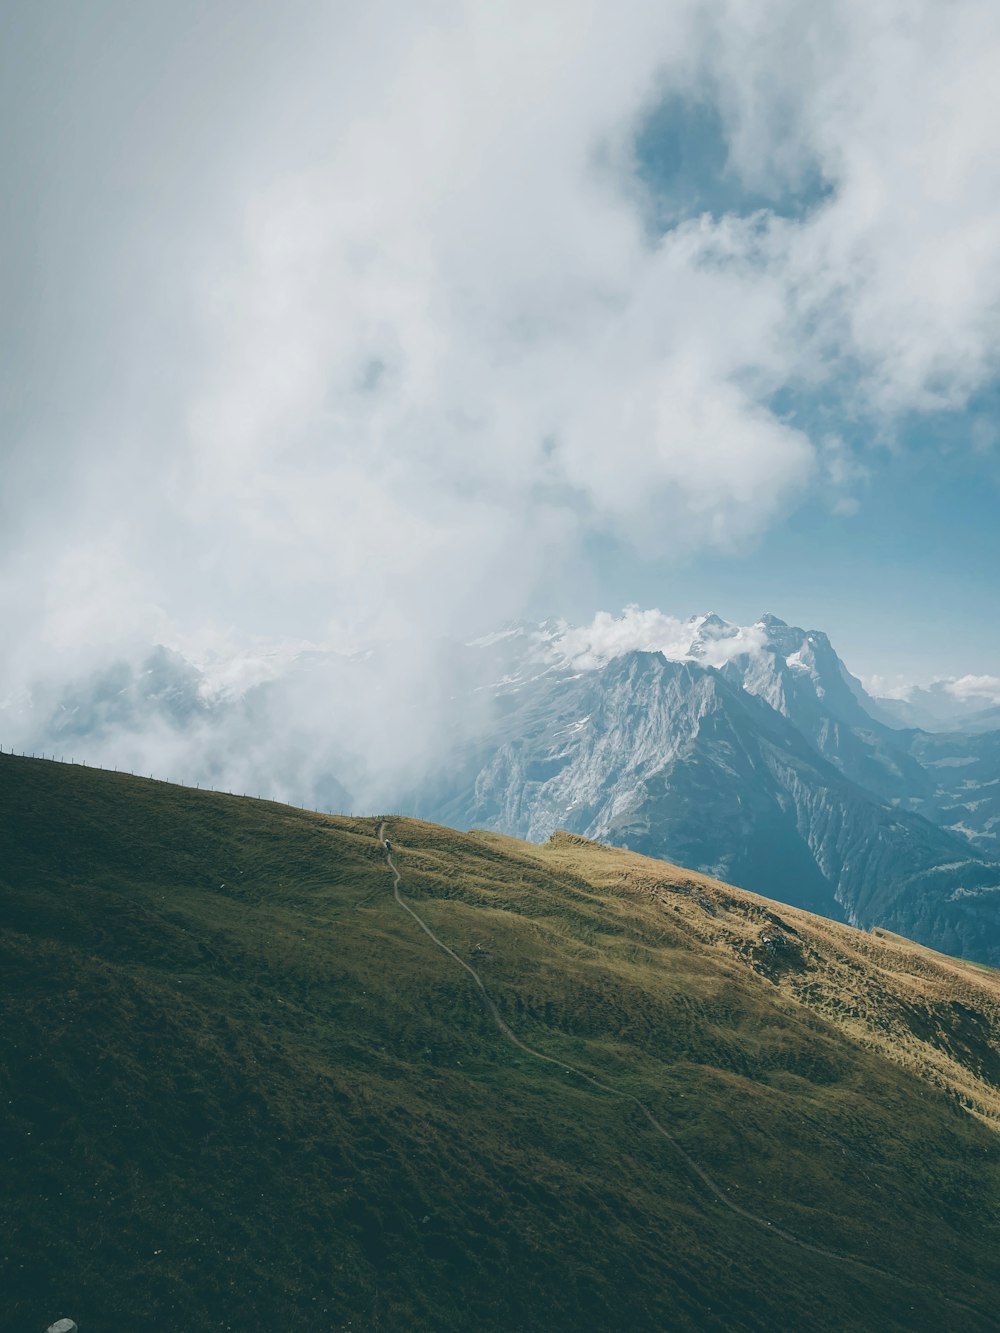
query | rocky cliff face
[800, 675]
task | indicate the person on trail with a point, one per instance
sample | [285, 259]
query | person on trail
[388, 844]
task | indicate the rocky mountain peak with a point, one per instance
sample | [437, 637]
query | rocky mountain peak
[710, 620]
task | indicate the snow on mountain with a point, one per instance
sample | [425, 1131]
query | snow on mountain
[761, 649]
[797, 672]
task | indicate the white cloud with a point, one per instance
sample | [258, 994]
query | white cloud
[896, 107]
[890, 687]
[981, 690]
[385, 336]
[952, 696]
[587, 647]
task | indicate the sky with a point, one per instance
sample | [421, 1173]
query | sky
[352, 323]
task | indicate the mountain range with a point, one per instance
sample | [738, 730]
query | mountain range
[750, 753]
[747, 752]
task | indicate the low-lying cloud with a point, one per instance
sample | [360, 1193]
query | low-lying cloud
[589, 647]
[975, 689]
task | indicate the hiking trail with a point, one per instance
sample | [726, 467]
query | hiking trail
[710, 1184]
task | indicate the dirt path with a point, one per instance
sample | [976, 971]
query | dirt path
[710, 1184]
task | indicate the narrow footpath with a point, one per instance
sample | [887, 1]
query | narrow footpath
[710, 1184]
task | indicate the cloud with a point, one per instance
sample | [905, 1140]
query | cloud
[953, 695]
[588, 647]
[591, 646]
[897, 688]
[355, 328]
[975, 689]
[894, 107]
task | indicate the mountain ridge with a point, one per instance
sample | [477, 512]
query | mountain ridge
[236, 1065]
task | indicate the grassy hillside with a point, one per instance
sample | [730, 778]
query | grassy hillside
[240, 1087]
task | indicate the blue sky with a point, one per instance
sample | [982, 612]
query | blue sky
[906, 583]
[692, 306]
[904, 576]
[905, 587]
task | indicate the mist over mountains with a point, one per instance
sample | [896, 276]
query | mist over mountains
[748, 752]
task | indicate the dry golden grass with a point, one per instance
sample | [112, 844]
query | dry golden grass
[236, 1071]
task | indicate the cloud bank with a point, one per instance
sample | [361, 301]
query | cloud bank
[354, 324]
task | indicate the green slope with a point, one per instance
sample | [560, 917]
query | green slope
[242, 1088]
